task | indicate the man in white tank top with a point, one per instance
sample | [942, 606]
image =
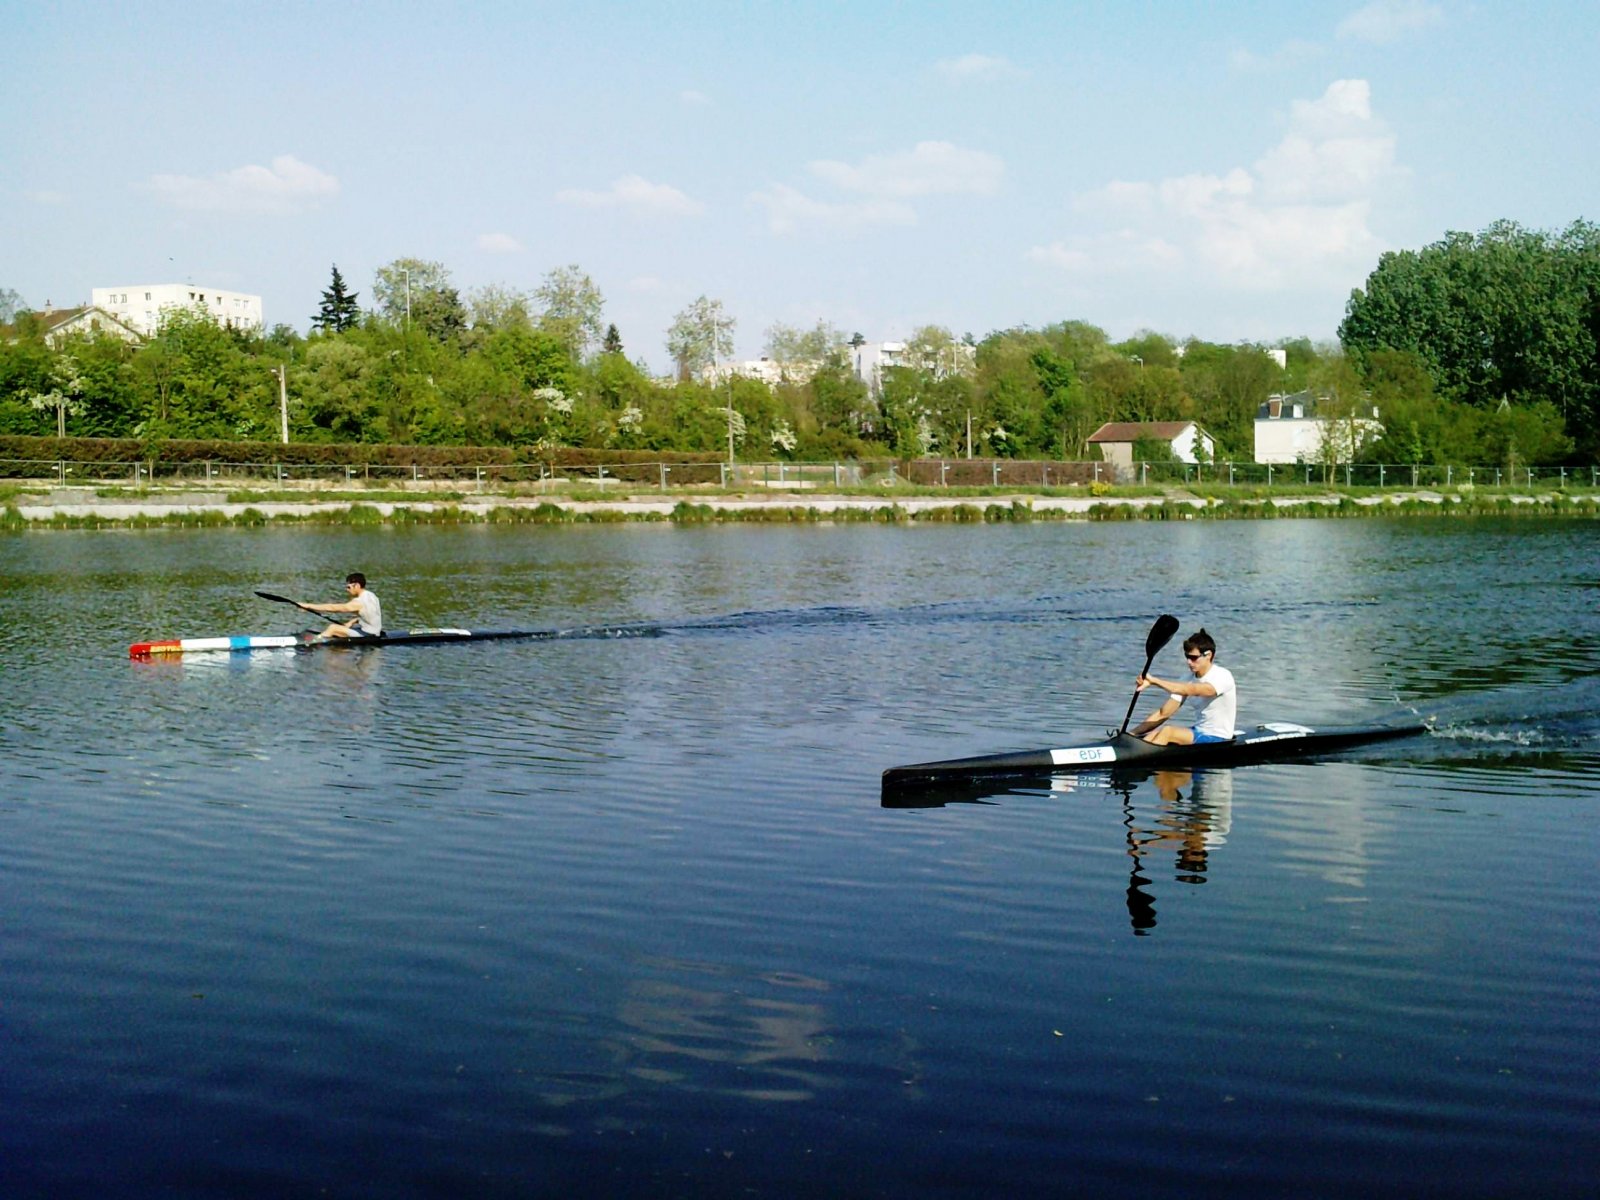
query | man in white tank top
[1212, 687]
[369, 613]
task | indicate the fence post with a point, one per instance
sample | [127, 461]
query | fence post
[1380, 474]
[1413, 474]
[996, 474]
[1269, 475]
[1230, 472]
[61, 471]
[1097, 472]
[835, 475]
[1144, 473]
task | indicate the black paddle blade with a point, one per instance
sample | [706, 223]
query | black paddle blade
[277, 599]
[1160, 634]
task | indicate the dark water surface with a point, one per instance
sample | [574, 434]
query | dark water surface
[623, 915]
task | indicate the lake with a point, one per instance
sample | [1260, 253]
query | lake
[623, 912]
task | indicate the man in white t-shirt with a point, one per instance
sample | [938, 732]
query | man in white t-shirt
[1212, 686]
[369, 613]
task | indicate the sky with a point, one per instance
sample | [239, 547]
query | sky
[1228, 171]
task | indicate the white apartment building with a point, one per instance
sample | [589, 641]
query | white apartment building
[141, 305]
[870, 358]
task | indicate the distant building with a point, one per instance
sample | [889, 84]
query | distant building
[1287, 430]
[58, 324]
[870, 359]
[1116, 441]
[767, 370]
[141, 305]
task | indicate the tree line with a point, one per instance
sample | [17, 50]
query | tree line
[1476, 349]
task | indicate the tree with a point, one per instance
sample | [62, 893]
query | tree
[613, 342]
[400, 289]
[1507, 315]
[700, 336]
[572, 308]
[338, 311]
[10, 305]
[496, 306]
[803, 351]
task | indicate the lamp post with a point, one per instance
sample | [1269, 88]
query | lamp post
[283, 401]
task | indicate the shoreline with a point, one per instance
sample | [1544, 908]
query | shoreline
[86, 509]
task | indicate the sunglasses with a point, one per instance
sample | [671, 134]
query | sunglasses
[1192, 657]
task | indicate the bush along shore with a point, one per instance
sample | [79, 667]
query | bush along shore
[23, 512]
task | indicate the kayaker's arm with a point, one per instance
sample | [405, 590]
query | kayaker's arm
[1158, 718]
[1192, 687]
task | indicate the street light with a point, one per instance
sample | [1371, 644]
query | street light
[283, 402]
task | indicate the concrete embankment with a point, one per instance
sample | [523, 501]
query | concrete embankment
[78, 507]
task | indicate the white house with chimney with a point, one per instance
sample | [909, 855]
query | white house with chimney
[142, 305]
[1288, 430]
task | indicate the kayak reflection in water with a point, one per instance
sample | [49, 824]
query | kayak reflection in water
[369, 613]
[1212, 686]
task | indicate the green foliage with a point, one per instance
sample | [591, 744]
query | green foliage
[1510, 315]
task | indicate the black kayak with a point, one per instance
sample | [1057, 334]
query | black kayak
[1264, 743]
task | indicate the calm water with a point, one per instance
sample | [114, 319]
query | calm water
[619, 915]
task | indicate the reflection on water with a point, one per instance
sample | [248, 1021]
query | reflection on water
[760, 1039]
[1193, 818]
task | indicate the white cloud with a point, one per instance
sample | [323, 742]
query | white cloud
[692, 97]
[1121, 251]
[499, 243]
[1301, 214]
[929, 169]
[978, 68]
[1387, 21]
[287, 186]
[638, 195]
[1294, 53]
[788, 210]
[645, 284]
[1334, 149]
[51, 199]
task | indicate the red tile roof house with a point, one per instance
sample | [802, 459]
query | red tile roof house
[1116, 440]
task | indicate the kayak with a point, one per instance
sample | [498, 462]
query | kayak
[309, 641]
[1264, 743]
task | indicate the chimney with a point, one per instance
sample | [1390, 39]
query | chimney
[1274, 407]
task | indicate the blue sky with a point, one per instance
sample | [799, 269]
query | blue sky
[1228, 171]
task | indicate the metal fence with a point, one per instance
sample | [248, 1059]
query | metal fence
[933, 472]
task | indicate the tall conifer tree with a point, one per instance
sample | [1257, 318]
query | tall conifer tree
[339, 310]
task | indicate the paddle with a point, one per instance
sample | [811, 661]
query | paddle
[1160, 634]
[304, 608]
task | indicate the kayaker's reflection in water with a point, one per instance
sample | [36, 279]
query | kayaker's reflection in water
[1195, 816]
